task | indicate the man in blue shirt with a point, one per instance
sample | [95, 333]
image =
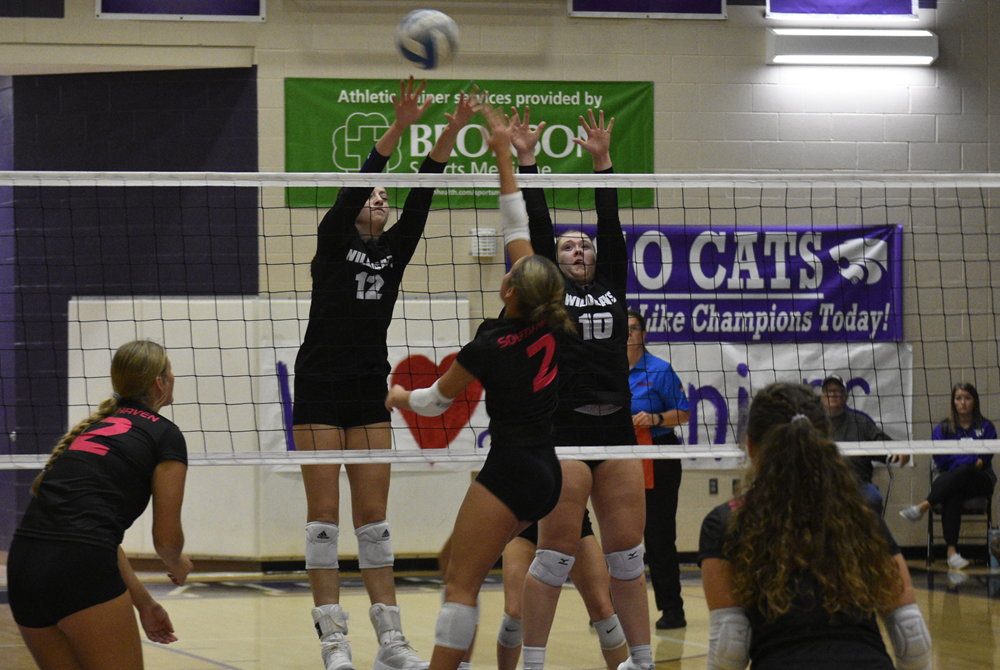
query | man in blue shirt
[658, 407]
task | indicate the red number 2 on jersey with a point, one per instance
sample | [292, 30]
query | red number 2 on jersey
[117, 426]
[547, 371]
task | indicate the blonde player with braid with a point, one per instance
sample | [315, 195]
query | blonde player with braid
[71, 587]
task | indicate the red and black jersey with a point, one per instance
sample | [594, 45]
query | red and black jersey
[355, 282]
[595, 360]
[517, 363]
[97, 488]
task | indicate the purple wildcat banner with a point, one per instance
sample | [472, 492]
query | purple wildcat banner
[649, 9]
[772, 284]
[889, 8]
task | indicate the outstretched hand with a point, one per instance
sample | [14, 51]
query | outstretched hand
[598, 142]
[407, 103]
[499, 136]
[522, 137]
[467, 106]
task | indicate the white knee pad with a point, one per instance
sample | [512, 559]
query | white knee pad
[551, 567]
[627, 564]
[374, 545]
[510, 632]
[609, 632]
[456, 626]
[321, 545]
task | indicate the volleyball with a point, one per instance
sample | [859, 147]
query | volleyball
[427, 37]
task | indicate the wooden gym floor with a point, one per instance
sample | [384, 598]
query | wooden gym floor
[241, 622]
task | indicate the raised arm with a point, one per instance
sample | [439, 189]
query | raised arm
[513, 215]
[525, 139]
[612, 253]
[408, 110]
[404, 236]
[467, 106]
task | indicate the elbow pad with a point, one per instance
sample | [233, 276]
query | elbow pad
[911, 641]
[513, 217]
[728, 639]
[429, 401]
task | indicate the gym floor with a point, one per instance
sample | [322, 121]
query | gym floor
[261, 622]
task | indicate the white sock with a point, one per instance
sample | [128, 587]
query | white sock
[642, 655]
[465, 665]
[534, 658]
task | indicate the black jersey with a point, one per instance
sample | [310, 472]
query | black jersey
[594, 360]
[102, 482]
[517, 363]
[355, 282]
[807, 636]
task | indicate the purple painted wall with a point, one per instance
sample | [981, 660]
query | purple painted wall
[112, 241]
[8, 478]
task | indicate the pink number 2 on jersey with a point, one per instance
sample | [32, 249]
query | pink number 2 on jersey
[116, 426]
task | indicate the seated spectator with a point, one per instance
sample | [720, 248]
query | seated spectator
[848, 425]
[963, 476]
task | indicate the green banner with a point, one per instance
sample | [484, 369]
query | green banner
[332, 124]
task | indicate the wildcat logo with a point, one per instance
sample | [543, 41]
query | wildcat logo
[860, 257]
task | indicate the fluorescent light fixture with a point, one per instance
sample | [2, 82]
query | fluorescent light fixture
[820, 46]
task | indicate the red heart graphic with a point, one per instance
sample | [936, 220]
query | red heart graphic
[435, 432]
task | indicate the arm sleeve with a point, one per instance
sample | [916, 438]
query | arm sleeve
[612, 254]
[173, 446]
[713, 529]
[539, 221]
[337, 226]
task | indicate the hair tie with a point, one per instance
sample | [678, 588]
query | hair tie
[799, 417]
[116, 397]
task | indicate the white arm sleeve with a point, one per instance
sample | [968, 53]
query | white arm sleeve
[429, 401]
[728, 639]
[911, 641]
[514, 217]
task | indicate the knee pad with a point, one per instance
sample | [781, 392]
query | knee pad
[627, 564]
[374, 545]
[510, 632]
[456, 626]
[321, 545]
[609, 632]
[551, 567]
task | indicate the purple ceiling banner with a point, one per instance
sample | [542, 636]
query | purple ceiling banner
[179, 10]
[870, 8]
[649, 9]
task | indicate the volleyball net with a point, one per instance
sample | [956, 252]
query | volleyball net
[886, 281]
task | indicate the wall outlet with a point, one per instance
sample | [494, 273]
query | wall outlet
[713, 486]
